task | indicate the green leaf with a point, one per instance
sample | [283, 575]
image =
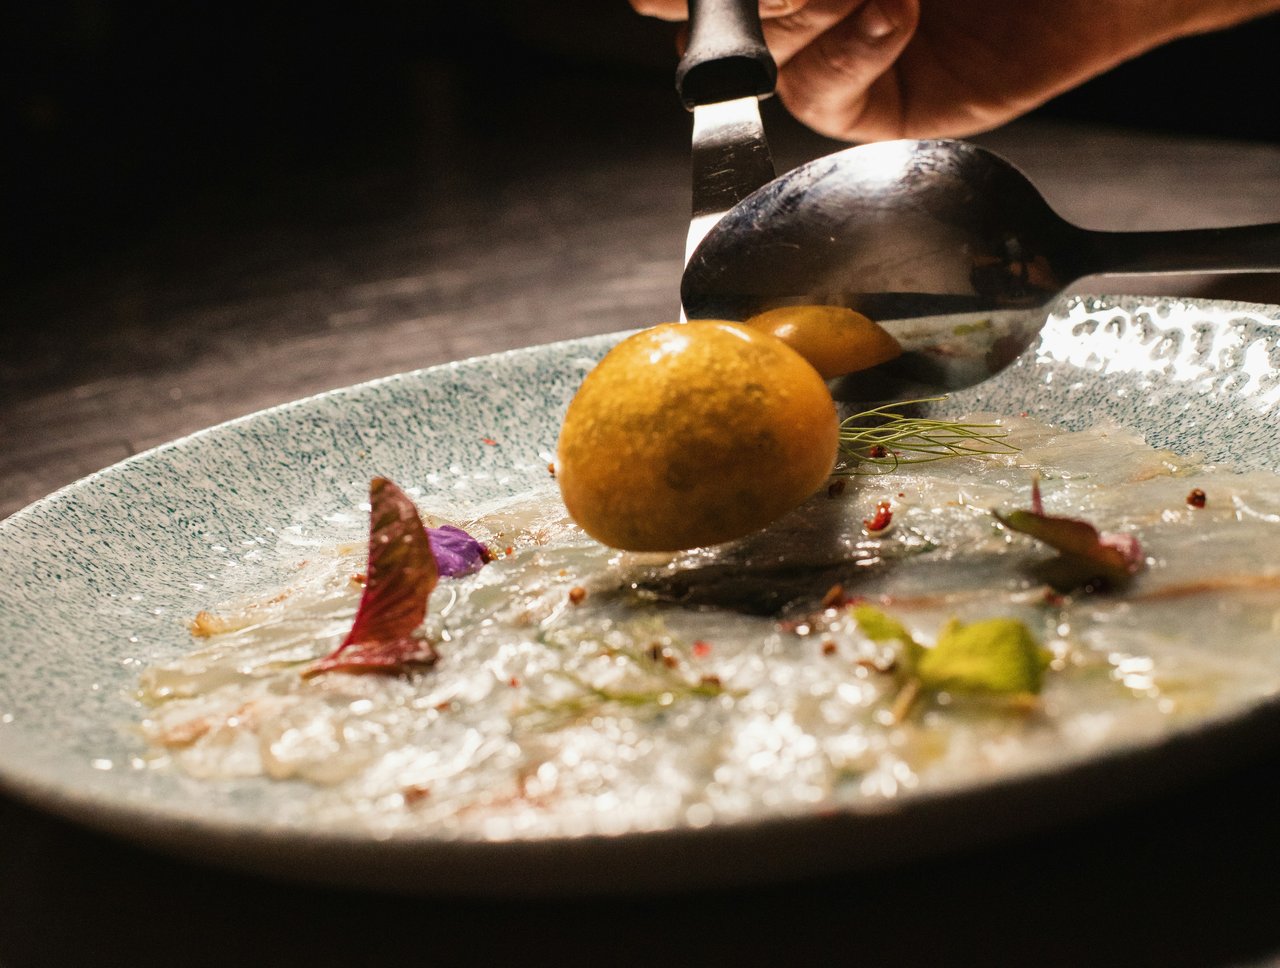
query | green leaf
[879, 627]
[995, 655]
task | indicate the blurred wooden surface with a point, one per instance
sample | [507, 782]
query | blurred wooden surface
[507, 220]
[519, 238]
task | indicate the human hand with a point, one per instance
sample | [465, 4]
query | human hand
[866, 70]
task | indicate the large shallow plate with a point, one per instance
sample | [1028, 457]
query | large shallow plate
[99, 577]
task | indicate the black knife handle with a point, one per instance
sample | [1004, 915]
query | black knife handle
[726, 57]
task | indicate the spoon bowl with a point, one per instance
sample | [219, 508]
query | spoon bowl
[945, 244]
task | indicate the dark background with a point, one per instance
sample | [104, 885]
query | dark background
[122, 120]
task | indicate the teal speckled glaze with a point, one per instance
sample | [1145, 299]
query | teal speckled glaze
[100, 578]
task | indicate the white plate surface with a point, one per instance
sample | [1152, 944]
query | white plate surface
[100, 578]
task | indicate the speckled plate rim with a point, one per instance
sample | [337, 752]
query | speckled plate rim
[679, 857]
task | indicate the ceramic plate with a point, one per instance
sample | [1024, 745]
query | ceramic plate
[100, 578]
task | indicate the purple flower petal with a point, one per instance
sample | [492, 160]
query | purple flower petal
[456, 552]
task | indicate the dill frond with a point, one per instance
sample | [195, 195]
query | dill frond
[880, 440]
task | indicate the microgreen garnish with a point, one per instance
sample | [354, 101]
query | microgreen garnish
[401, 571]
[880, 627]
[881, 439]
[995, 657]
[1087, 558]
[660, 675]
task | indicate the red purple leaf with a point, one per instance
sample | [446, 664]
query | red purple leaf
[1086, 557]
[401, 574]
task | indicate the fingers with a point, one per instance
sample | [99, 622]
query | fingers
[835, 59]
[662, 9]
[841, 82]
[679, 9]
[789, 33]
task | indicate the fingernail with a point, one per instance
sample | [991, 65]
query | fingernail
[775, 7]
[871, 22]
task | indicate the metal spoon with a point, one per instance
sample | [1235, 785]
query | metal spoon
[944, 244]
